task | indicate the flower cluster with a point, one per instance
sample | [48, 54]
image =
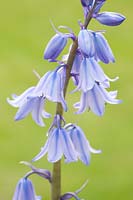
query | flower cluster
[69, 140]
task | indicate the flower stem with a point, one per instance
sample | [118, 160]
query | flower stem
[56, 176]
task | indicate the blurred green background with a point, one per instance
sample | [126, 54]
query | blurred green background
[24, 32]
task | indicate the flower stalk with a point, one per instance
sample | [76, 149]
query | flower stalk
[56, 175]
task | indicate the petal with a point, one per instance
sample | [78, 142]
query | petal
[37, 111]
[82, 104]
[81, 145]
[106, 96]
[55, 150]
[110, 18]
[85, 42]
[86, 81]
[68, 148]
[103, 49]
[96, 101]
[26, 108]
[19, 100]
[92, 150]
[44, 150]
[96, 71]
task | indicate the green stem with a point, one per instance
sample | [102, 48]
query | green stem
[56, 176]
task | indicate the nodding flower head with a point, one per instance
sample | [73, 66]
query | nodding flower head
[28, 103]
[24, 190]
[57, 145]
[80, 142]
[95, 100]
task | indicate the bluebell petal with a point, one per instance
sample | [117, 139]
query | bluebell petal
[92, 150]
[44, 149]
[106, 95]
[40, 87]
[99, 4]
[85, 42]
[96, 101]
[67, 146]
[55, 46]
[86, 81]
[113, 94]
[110, 18]
[37, 111]
[82, 104]
[24, 190]
[87, 3]
[103, 49]
[55, 150]
[19, 100]
[25, 109]
[81, 145]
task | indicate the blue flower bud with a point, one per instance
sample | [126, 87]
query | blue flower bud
[110, 18]
[55, 46]
[86, 3]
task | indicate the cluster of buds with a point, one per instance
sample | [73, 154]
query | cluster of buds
[68, 140]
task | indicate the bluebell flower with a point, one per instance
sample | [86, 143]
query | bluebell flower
[99, 4]
[95, 100]
[27, 103]
[87, 3]
[51, 86]
[109, 18]
[85, 42]
[24, 190]
[69, 195]
[58, 144]
[91, 72]
[102, 49]
[55, 46]
[80, 143]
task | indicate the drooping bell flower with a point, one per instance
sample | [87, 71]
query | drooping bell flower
[24, 190]
[28, 103]
[85, 42]
[102, 49]
[57, 145]
[80, 143]
[95, 100]
[110, 18]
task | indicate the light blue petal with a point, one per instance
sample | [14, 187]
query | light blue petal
[106, 96]
[86, 81]
[25, 109]
[96, 101]
[19, 100]
[92, 150]
[67, 146]
[103, 49]
[80, 142]
[55, 150]
[96, 71]
[85, 42]
[44, 149]
[82, 104]
[37, 111]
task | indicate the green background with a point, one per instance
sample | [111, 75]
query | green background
[24, 32]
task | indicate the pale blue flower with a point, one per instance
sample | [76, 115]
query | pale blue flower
[95, 100]
[110, 18]
[102, 49]
[57, 145]
[91, 72]
[27, 103]
[24, 190]
[80, 143]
